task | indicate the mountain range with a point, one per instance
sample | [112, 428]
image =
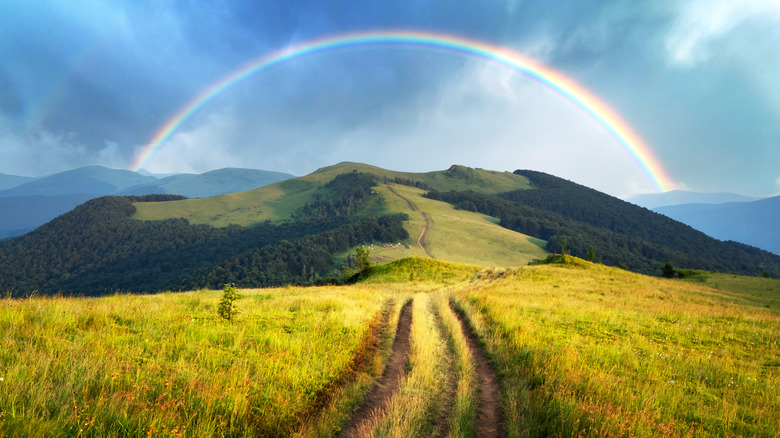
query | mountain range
[724, 216]
[679, 197]
[754, 223]
[26, 203]
[303, 230]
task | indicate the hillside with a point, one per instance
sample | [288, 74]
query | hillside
[303, 230]
[753, 223]
[621, 234]
[111, 243]
[10, 181]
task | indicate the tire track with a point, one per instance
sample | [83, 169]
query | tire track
[489, 422]
[377, 399]
[426, 222]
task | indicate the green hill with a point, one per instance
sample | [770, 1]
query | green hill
[278, 202]
[451, 234]
[303, 230]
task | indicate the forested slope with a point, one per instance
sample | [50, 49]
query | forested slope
[621, 233]
[97, 248]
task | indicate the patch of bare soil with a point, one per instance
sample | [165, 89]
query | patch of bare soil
[489, 422]
[378, 398]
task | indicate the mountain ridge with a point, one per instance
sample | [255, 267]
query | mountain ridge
[300, 230]
[677, 197]
[753, 223]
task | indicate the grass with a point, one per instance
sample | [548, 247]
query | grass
[419, 401]
[454, 235]
[277, 202]
[581, 350]
[588, 350]
[136, 365]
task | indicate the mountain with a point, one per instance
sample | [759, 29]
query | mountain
[213, 183]
[10, 181]
[677, 197]
[302, 229]
[34, 202]
[754, 223]
[22, 214]
[96, 180]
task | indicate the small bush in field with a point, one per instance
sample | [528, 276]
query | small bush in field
[227, 307]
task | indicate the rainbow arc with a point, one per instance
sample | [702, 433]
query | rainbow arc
[565, 86]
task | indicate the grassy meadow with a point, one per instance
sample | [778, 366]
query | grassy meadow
[586, 350]
[167, 364]
[581, 350]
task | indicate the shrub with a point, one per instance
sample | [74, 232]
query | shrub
[227, 307]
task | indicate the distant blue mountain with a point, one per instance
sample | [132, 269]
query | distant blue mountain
[213, 183]
[31, 202]
[755, 223]
[97, 180]
[22, 214]
[678, 197]
[10, 181]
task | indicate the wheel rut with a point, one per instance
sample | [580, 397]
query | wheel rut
[489, 422]
[377, 399]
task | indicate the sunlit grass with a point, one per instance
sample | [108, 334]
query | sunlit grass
[581, 350]
[595, 351]
[421, 398]
[129, 365]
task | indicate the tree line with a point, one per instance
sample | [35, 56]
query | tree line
[620, 233]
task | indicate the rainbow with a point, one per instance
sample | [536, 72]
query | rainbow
[556, 81]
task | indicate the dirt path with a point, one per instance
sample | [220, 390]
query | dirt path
[408, 202]
[421, 237]
[426, 222]
[489, 421]
[378, 398]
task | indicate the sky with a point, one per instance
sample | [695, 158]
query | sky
[92, 82]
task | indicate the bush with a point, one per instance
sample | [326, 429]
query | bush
[227, 307]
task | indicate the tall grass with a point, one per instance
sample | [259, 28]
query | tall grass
[167, 364]
[581, 350]
[587, 350]
[466, 385]
[415, 408]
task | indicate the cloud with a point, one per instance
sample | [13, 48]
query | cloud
[209, 144]
[37, 152]
[491, 117]
[701, 25]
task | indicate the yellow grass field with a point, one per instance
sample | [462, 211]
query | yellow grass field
[580, 350]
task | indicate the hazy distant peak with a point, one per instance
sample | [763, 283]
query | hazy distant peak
[679, 197]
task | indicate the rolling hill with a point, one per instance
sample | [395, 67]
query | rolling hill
[10, 181]
[301, 229]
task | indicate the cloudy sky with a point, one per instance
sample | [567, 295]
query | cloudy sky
[92, 81]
